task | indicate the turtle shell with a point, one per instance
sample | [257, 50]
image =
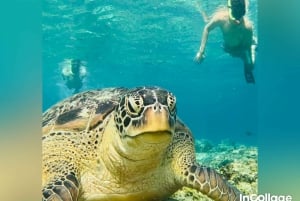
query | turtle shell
[83, 111]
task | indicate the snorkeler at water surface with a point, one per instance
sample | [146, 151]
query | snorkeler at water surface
[74, 74]
[237, 33]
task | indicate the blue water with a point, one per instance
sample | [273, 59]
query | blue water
[133, 43]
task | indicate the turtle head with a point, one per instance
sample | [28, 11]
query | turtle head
[147, 114]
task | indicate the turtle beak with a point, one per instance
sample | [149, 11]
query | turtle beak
[158, 137]
[156, 120]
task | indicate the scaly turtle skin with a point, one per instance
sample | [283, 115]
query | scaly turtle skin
[122, 144]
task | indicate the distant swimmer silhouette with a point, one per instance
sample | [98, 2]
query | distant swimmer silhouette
[237, 33]
[73, 73]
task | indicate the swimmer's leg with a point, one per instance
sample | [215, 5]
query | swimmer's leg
[249, 74]
[249, 77]
[248, 67]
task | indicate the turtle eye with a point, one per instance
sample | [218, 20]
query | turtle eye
[171, 100]
[134, 104]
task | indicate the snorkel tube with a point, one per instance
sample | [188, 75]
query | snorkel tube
[230, 10]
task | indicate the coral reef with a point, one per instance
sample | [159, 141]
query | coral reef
[236, 162]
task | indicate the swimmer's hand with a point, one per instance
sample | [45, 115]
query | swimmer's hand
[200, 56]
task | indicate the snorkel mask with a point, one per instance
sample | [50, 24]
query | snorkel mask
[237, 9]
[75, 65]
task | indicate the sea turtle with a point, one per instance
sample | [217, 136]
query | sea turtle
[122, 144]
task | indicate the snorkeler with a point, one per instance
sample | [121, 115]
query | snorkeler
[237, 33]
[74, 74]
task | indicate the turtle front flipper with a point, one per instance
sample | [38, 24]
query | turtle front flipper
[189, 173]
[65, 188]
[210, 183]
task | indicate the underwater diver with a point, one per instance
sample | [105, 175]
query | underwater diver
[74, 75]
[237, 33]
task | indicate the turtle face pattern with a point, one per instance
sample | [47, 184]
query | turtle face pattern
[146, 110]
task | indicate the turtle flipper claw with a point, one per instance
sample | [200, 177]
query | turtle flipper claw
[65, 189]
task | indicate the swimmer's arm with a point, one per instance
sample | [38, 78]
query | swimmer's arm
[208, 27]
